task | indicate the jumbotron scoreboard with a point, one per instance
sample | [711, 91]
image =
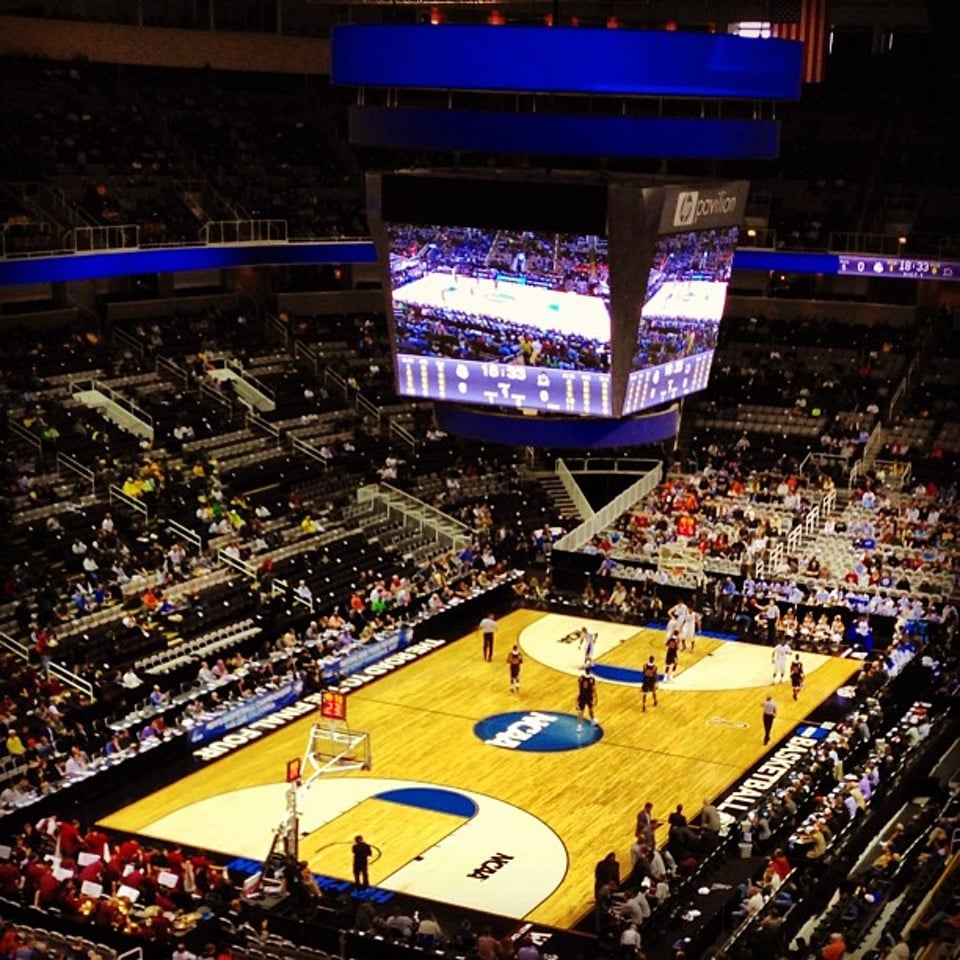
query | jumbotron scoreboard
[566, 295]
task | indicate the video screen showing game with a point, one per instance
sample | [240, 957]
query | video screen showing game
[509, 318]
[680, 316]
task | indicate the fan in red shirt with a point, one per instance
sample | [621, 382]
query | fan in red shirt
[70, 838]
[780, 863]
[686, 526]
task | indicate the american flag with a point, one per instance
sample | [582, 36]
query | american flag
[807, 21]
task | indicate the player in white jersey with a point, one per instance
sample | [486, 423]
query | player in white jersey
[588, 641]
[780, 660]
[677, 614]
[688, 629]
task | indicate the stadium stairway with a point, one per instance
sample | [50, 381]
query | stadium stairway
[562, 501]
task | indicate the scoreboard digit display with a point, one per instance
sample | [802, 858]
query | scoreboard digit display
[333, 705]
[904, 268]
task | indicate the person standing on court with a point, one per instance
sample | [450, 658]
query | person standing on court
[780, 658]
[646, 826]
[515, 660]
[362, 852]
[586, 696]
[796, 675]
[769, 707]
[488, 629]
[670, 659]
[650, 677]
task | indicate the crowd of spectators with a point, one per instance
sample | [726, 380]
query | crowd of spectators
[796, 841]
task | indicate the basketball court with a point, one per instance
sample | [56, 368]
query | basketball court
[518, 303]
[497, 801]
[688, 300]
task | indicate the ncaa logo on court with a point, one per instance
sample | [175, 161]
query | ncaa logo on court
[537, 732]
[685, 214]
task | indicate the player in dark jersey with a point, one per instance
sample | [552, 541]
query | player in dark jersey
[514, 660]
[796, 675]
[670, 663]
[651, 676]
[586, 696]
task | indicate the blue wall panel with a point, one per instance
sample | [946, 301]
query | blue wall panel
[563, 134]
[122, 263]
[558, 432]
[565, 60]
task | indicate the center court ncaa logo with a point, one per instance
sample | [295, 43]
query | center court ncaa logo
[685, 214]
[537, 732]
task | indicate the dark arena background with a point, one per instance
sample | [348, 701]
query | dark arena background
[480, 479]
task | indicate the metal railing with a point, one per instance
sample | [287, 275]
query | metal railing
[239, 373]
[253, 381]
[279, 327]
[14, 646]
[308, 449]
[821, 460]
[165, 365]
[185, 533]
[117, 494]
[66, 462]
[24, 434]
[402, 434]
[445, 529]
[897, 473]
[115, 397]
[336, 379]
[130, 341]
[872, 447]
[55, 669]
[244, 231]
[212, 393]
[120, 236]
[586, 531]
[253, 419]
[248, 570]
[303, 351]
[570, 484]
[369, 407]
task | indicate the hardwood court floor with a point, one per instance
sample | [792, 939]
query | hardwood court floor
[692, 746]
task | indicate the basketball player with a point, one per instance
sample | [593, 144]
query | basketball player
[688, 629]
[677, 614]
[796, 675]
[586, 696]
[670, 664]
[780, 658]
[488, 628]
[588, 640]
[515, 660]
[650, 677]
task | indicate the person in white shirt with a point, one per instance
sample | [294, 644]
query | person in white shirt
[630, 940]
[636, 909]
[780, 660]
[205, 674]
[304, 592]
[77, 763]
